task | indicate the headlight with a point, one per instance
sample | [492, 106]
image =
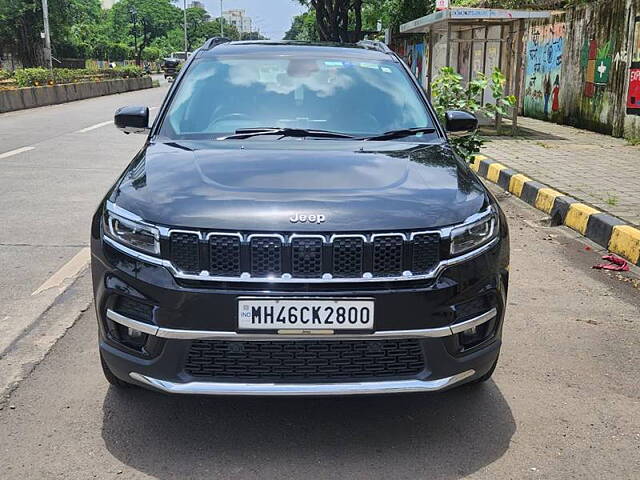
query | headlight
[132, 234]
[473, 235]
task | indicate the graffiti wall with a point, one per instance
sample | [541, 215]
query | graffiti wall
[543, 70]
[414, 53]
[582, 68]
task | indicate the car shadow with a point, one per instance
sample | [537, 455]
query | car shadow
[446, 435]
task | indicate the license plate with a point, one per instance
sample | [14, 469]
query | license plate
[305, 314]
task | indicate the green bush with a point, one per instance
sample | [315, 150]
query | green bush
[449, 94]
[151, 54]
[29, 77]
[5, 74]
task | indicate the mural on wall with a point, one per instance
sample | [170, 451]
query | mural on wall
[416, 61]
[543, 69]
[596, 62]
[633, 98]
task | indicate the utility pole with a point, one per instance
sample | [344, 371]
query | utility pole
[47, 36]
[221, 21]
[186, 42]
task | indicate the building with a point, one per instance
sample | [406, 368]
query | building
[200, 5]
[239, 19]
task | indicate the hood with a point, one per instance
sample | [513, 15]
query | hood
[260, 185]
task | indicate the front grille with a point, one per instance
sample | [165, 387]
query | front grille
[426, 252]
[266, 256]
[305, 361]
[224, 255]
[184, 251]
[348, 253]
[304, 256]
[387, 255]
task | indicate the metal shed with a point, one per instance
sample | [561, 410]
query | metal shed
[472, 40]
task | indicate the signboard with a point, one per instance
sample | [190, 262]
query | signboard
[633, 100]
[442, 4]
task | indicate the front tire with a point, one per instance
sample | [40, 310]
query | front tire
[111, 378]
[486, 376]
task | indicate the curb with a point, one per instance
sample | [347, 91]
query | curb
[606, 230]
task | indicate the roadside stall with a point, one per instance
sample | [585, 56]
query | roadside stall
[470, 40]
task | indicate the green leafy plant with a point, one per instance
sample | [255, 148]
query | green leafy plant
[30, 77]
[448, 93]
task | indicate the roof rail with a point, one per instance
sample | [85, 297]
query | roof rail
[214, 42]
[374, 45]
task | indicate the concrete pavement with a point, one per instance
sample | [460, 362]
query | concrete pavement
[564, 402]
[597, 169]
[57, 162]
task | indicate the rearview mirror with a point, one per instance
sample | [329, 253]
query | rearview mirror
[132, 119]
[459, 123]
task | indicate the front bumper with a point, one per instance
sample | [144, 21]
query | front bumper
[301, 389]
[428, 312]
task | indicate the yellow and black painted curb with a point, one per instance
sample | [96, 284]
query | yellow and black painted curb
[606, 230]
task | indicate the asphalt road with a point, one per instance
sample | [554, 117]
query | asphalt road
[564, 402]
[57, 163]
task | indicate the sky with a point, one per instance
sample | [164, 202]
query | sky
[272, 16]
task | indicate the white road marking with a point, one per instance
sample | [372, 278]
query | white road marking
[70, 269]
[15, 152]
[93, 127]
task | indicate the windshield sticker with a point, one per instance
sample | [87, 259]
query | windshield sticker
[333, 64]
[373, 66]
[385, 69]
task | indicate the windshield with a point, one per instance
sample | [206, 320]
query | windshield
[221, 95]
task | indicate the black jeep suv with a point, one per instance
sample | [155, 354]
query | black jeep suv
[298, 224]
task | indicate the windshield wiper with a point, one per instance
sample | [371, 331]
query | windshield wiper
[405, 132]
[243, 133]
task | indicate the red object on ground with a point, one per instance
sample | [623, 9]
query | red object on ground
[616, 264]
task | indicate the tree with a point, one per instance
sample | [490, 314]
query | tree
[303, 28]
[196, 18]
[344, 20]
[140, 22]
[21, 24]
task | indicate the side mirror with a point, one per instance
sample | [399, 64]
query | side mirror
[459, 123]
[132, 119]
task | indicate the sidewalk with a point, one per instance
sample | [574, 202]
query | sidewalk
[596, 169]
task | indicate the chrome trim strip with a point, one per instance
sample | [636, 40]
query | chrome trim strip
[131, 323]
[425, 232]
[382, 235]
[444, 264]
[346, 235]
[474, 322]
[174, 334]
[293, 236]
[301, 389]
[189, 232]
[266, 235]
[223, 234]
